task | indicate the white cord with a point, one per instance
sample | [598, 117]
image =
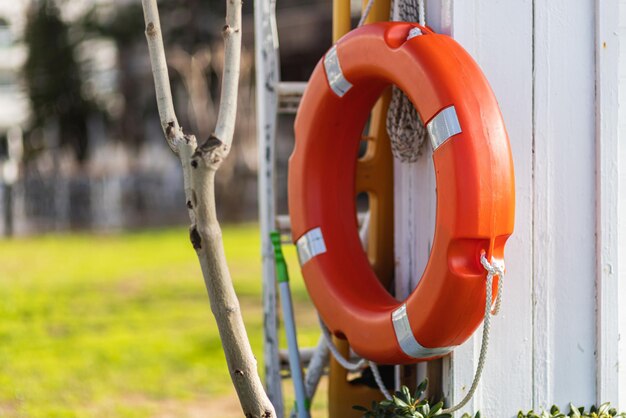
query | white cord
[379, 380]
[492, 270]
[345, 363]
[365, 13]
[348, 365]
[422, 12]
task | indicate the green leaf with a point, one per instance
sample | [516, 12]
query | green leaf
[399, 402]
[421, 388]
[436, 408]
[604, 408]
[574, 412]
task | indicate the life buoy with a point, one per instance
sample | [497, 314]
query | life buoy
[475, 191]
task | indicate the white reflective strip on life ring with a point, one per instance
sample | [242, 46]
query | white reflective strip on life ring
[407, 341]
[336, 80]
[310, 245]
[443, 126]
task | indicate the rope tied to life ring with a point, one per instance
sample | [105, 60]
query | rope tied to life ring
[494, 269]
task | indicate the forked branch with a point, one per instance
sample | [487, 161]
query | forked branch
[200, 163]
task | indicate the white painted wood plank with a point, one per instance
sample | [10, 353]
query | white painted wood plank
[491, 32]
[607, 160]
[621, 213]
[564, 202]
[622, 251]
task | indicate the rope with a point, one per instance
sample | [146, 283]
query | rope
[348, 365]
[493, 270]
[345, 363]
[405, 129]
[422, 12]
[365, 13]
[379, 380]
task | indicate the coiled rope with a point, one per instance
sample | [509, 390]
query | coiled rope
[404, 126]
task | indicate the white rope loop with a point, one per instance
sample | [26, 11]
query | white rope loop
[493, 269]
[344, 362]
[350, 366]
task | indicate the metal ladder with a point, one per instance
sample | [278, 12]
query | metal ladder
[273, 97]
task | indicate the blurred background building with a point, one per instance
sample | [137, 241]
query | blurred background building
[80, 140]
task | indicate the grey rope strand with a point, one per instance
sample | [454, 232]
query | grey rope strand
[345, 363]
[422, 12]
[365, 13]
[348, 365]
[492, 271]
[379, 380]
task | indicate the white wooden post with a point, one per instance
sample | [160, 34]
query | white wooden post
[564, 203]
[621, 213]
[609, 268]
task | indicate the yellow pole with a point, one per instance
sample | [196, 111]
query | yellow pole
[341, 18]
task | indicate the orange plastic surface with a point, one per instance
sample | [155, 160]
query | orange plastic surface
[475, 189]
[374, 175]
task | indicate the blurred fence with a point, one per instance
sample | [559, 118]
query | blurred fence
[58, 203]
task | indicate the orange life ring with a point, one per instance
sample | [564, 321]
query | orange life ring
[475, 191]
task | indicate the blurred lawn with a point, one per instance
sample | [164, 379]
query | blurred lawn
[120, 325]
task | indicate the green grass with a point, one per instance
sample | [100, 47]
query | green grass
[120, 325]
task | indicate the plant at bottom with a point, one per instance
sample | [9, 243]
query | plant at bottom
[603, 411]
[403, 404]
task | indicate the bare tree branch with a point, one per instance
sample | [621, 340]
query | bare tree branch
[225, 128]
[200, 163]
[169, 122]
